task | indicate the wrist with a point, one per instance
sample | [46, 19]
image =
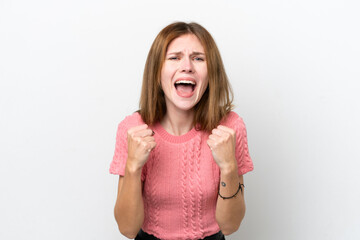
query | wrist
[229, 169]
[132, 168]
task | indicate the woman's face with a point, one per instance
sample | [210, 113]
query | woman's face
[184, 73]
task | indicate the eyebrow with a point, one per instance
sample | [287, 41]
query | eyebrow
[193, 53]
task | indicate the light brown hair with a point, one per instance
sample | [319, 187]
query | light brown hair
[216, 102]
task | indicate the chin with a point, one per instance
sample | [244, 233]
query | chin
[184, 104]
[186, 108]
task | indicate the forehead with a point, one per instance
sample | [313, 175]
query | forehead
[187, 42]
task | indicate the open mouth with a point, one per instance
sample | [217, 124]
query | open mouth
[185, 88]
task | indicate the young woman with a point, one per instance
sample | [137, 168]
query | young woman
[181, 158]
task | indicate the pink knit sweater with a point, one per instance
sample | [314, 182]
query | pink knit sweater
[181, 179]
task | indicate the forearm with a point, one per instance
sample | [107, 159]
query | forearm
[230, 212]
[129, 208]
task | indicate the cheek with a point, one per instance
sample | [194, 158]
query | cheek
[204, 85]
[167, 73]
[204, 76]
[164, 79]
[166, 84]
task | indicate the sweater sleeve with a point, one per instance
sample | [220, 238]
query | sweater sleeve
[118, 163]
[242, 155]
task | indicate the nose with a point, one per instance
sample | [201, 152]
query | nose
[186, 66]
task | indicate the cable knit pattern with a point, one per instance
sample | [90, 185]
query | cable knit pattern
[184, 188]
[153, 208]
[197, 152]
[180, 179]
[193, 184]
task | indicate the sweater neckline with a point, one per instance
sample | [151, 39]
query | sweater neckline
[159, 129]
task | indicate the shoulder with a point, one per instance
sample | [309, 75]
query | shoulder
[131, 121]
[232, 119]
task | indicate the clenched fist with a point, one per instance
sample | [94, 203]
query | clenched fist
[140, 143]
[222, 145]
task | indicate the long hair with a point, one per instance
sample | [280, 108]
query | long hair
[216, 101]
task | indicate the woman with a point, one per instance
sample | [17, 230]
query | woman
[182, 156]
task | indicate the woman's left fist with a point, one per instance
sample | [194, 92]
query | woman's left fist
[222, 145]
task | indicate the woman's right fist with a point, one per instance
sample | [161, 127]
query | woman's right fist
[140, 143]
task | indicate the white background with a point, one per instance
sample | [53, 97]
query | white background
[71, 71]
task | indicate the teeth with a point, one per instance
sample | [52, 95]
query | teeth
[185, 82]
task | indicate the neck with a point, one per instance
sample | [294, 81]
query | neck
[178, 122]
